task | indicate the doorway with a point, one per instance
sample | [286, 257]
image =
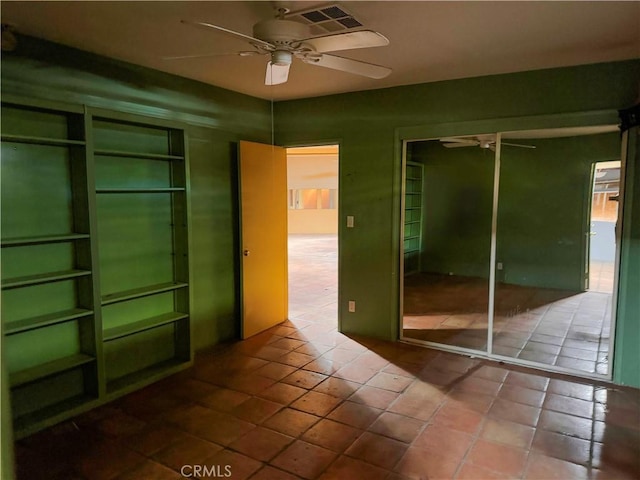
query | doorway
[312, 193]
[504, 235]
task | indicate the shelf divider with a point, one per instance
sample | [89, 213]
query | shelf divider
[141, 292]
[48, 369]
[43, 278]
[142, 325]
[141, 155]
[11, 328]
[54, 142]
[22, 241]
[141, 190]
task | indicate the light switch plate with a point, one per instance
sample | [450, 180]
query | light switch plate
[349, 221]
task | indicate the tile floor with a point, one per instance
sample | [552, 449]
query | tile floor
[547, 326]
[302, 401]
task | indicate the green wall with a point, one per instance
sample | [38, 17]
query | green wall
[215, 120]
[457, 208]
[543, 208]
[370, 125]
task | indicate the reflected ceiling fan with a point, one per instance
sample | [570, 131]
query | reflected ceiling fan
[285, 40]
[482, 141]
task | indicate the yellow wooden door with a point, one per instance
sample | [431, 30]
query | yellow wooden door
[263, 203]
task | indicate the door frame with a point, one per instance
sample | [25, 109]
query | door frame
[341, 224]
[405, 135]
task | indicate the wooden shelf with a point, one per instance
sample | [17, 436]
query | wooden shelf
[146, 156]
[43, 278]
[29, 423]
[142, 325]
[413, 208]
[140, 190]
[141, 292]
[48, 369]
[19, 242]
[11, 328]
[412, 222]
[412, 237]
[147, 375]
[54, 142]
[413, 193]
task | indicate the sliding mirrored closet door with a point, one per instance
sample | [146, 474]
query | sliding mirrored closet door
[550, 197]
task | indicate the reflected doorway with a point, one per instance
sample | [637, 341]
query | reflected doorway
[312, 183]
[505, 228]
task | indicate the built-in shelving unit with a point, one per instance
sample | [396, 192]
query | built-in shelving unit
[95, 266]
[412, 216]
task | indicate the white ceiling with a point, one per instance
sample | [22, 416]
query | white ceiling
[429, 41]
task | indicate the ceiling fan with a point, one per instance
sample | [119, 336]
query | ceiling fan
[285, 40]
[482, 141]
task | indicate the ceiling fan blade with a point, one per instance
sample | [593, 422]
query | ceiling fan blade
[276, 74]
[250, 39]
[247, 53]
[347, 65]
[346, 41]
[458, 145]
[517, 145]
[465, 141]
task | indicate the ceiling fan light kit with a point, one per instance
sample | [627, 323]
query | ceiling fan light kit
[285, 39]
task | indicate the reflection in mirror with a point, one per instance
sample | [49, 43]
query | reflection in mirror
[556, 248]
[447, 237]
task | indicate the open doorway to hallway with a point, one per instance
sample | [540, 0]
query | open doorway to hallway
[312, 182]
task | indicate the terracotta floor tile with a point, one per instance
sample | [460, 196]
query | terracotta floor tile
[295, 359]
[508, 433]
[256, 410]
[473, 401]
[355, 414]
[518, 394]
[224, 399]
[415, 464]
[316, 403]
[397, 426]
[501, 458]
[341, 355]
[337, 387]
[414, 406]
[567, 448]
[250, 384]
[282, 393]
[313, 349]
[223, 430]
[324, 366]
[287, 344]
[528, 380]
[374, 397]
[346, 468]
[150, 471]
[238, 466]
[261, 444]
[188, 451]
[387, 381]
[106, 460]
[469, 471]
[454, 415]
[452, 444]
[276, 371]
[153, 439]
[515, 412]
[377, 450]
[356, 373]
[572, 406]
[542, 467]
[270, 473]
[304, 459]
[566, 424]
[291, 422]
[304, 379]
[332, 435]
[623, 457]
[478, 385]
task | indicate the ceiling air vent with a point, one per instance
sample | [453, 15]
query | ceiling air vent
[330, 18]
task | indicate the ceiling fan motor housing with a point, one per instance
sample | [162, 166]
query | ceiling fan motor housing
[281, 32]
